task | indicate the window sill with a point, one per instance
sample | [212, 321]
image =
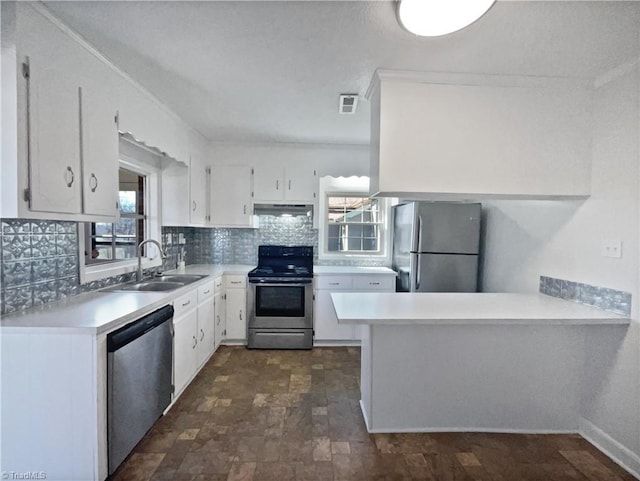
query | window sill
[96, 273]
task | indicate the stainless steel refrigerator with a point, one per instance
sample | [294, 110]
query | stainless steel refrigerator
[436, 246]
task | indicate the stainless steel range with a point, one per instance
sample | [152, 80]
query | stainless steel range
[280, 299]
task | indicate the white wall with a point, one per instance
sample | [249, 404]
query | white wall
[336, 160]
[524, 240]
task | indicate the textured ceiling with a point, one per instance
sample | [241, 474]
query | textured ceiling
[272, 71]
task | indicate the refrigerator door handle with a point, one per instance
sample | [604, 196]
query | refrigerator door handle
[419, 233]
[415, 273]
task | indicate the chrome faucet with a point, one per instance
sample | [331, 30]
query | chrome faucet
[146, 241]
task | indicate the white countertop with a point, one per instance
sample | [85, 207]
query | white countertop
[99, 311]
[402, 308]
[337, 270]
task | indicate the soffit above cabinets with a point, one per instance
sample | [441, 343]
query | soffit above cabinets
[271, 71]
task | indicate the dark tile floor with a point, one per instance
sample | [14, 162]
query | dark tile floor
[294, 415]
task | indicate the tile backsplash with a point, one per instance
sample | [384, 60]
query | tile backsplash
[39, 262]
[602, 297]
[240, 246]
[39, 259]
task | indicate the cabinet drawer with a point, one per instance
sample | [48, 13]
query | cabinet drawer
[185, 303]
[218, 285]
[334, 283]
[374, 283]
[235, 281]
[205, 292]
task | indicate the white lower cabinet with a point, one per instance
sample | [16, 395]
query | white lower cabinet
[326, 327]
[219, 312]
[194, 334]
[206, 323]
[236, 308]
[326, 324]
[185, 340]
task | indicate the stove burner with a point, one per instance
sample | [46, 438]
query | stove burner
[284, 261]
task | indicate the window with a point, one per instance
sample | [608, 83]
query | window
[351, 224]
[110, 242]
[354, 224]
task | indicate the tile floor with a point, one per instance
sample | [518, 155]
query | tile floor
[294, 415]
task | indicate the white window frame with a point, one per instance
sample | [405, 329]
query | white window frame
[351, 187]
[151, 170]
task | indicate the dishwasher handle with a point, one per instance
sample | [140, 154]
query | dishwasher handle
[132, 331]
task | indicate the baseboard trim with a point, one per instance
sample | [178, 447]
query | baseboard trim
[365, 416]
[621, 455]
[322, 343]
[471, 430]
[233, 342]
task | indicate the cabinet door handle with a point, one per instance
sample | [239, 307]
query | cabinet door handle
[207, 291]
[334, 283]
[194, 206]
[244, 209]
[374, 283]
[93, 182]
[236, 282]
[201, 334]
[240, 314]
[69, 176]
[277, 185]
[289, 185]
[195, 342]
[218, 320]
[186, 303]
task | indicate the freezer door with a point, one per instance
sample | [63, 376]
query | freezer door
[444, 273]
[404, 236]
[448, 228]
[403, 244]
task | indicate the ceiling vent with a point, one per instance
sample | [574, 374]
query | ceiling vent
[348, 103]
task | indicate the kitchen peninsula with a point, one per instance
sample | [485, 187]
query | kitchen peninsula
[472, 361]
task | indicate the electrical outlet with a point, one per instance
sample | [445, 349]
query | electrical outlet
[612, 248]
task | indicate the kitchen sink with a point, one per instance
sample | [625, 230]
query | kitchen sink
[162, 283]
[150, 286]
[183, 278]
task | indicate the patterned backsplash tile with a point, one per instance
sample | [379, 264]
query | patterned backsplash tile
[39, 259]
[240, 246]
[602, 297]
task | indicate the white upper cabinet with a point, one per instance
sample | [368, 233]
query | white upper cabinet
[50, 102]
[61, 119]
[69, 122]
[100, 143]
[230, 194]
[301, 183]
[198, 191]
[175, 194]
[53, 106]
[268, 183]
[292, 183]
[185, 191]
[455, 136]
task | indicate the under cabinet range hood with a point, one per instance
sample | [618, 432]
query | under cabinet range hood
[284, 210]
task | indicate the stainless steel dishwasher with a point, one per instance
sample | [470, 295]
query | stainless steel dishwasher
[139, 367]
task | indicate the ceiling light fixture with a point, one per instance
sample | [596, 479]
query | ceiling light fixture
[432, 18]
